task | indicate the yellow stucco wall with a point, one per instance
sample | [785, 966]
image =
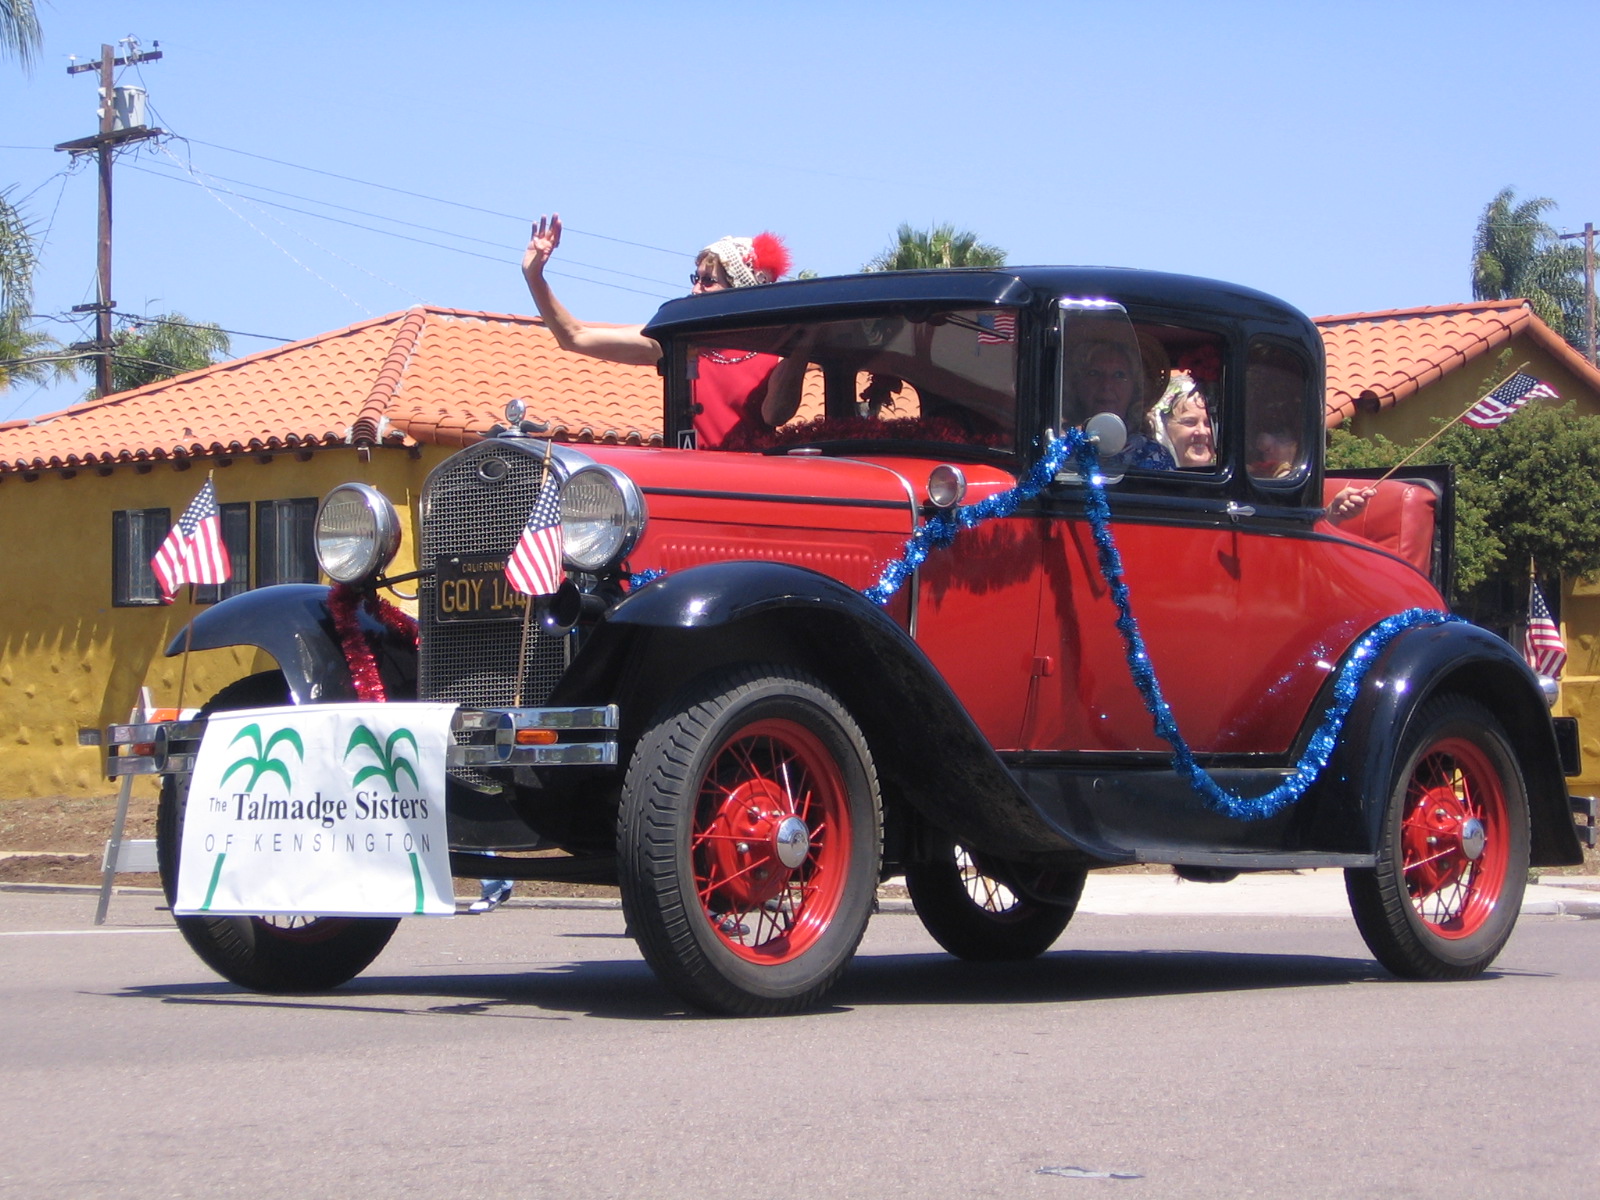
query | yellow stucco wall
[70, 659]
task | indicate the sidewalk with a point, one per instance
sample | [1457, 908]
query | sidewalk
[1285, 894]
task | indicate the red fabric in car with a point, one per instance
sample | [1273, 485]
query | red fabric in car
[1400, 518]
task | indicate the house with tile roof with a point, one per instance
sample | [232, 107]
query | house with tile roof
[387, 399]
[87, 493]
[1398, 373]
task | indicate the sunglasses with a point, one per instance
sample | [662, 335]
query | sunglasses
[704, 280]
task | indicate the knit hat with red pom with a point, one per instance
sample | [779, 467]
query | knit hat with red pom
[749, 261]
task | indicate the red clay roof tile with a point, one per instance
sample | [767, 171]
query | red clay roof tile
[427, 375]
[1382, 358]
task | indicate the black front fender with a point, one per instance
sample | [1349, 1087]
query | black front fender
[292, 623]
[1428, 661]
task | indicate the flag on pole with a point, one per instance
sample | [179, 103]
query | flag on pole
[193, 551]
[535, 565]
[1542, 647]
[998, 328]
[1511, 395]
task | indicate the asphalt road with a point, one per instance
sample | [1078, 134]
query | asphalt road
[530, 1053]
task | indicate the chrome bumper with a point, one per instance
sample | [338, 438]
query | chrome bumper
[485, 737]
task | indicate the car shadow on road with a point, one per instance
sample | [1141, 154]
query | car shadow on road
[627, 990]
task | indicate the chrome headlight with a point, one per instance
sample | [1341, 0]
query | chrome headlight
[602, 516]
[358, 533]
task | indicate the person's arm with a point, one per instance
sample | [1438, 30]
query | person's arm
[784, 387]
[621, 344]
[787, 382]
[1349, 502]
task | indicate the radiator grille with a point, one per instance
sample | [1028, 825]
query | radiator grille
[473, 511]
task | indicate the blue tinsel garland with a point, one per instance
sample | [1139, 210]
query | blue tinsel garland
[941, 529]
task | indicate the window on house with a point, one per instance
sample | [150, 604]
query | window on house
[236, 537]
[136, 535]
[286, 542]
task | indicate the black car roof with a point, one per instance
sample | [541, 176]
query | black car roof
[1009, 286]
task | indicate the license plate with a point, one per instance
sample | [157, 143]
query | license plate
[476, 589]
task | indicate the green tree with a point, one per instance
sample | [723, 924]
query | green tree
[17, 257]
[1527, 491]
[1516, 254]
[20, 36]
[160, 347]
[939, 246]
[27, 356]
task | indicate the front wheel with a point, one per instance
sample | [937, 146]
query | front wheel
[265, 954]
[1453, 849]
[748, 842]
[978, 916]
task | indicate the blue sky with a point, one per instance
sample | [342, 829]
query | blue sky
[1334, 154]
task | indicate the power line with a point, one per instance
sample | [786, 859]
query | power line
[434, 199]
[393, 220]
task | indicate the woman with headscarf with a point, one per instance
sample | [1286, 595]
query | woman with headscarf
[734, 392]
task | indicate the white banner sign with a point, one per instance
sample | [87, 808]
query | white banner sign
[325, 809]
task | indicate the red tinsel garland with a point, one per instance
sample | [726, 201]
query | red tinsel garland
[343, 602]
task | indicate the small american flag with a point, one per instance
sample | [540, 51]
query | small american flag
[1543, 648]
[1506, 399]
[535, 565]
[193, 551]
[998, 328]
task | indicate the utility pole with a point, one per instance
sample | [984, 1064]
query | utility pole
[102, 144]
[1588, 285]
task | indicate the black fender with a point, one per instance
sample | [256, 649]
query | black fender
[1424, 662]
[292, 623]
[928, 751]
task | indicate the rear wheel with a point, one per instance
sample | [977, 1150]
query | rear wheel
[748, 842]
[266, 954]
[979, 916]
[1453, 849]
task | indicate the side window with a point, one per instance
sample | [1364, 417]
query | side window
[136, 535]
[236, 537]
[1275, 413]
[285, 541]
[1164, 382]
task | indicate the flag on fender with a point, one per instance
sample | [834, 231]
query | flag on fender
[534, 568]
[1542, 647]
[1493, 409]
[193, 551]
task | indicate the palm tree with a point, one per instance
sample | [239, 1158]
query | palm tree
[19, 31]
[1516, 254]
[940, 246]
[160, 347]
[27, 356]
[16, 255]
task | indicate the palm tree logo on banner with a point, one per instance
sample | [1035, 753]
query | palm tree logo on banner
[264, 761]
[390, 763]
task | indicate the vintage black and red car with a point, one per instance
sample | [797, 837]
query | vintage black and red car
[1039, 575]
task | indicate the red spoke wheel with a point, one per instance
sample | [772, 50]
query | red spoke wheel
[1453, 848]
[748, 842]
[265, 954]
[982, 916]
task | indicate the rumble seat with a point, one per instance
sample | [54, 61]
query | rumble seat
[1402, 517]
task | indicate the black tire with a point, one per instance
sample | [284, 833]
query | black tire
[265, 954]
[981, 917]
[1442, 900]
[748, 842]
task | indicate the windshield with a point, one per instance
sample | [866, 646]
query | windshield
[943, 377]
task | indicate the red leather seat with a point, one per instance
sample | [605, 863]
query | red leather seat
[1401, 518]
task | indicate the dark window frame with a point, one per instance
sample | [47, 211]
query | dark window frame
[136, 535]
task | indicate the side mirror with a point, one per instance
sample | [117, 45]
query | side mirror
[1107, 432]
